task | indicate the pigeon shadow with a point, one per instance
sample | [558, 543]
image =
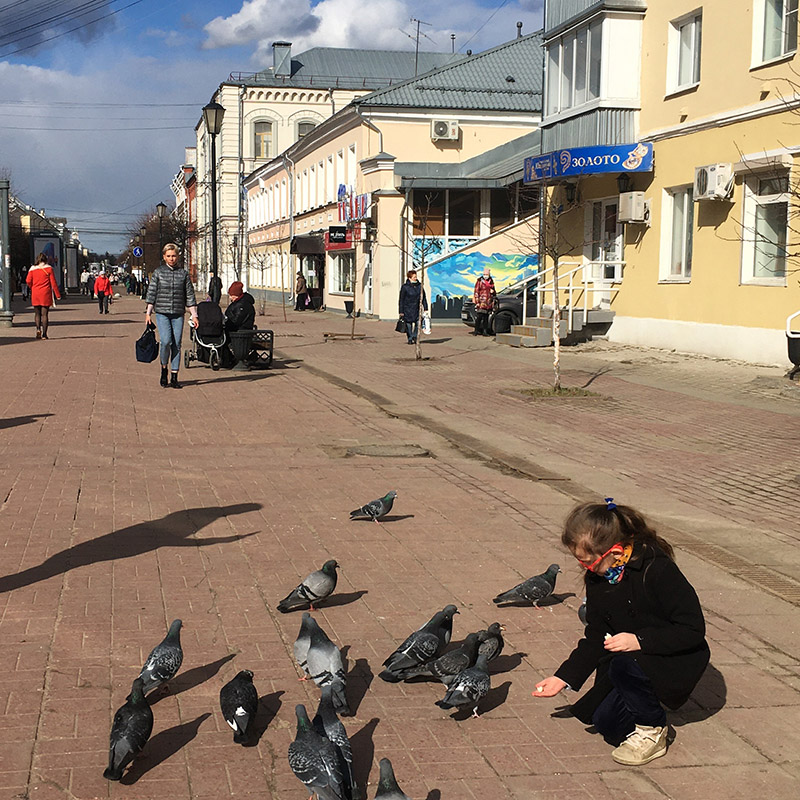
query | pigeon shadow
[387, 518]
[363, 753]
[434, 794]
[184, 681]
[437, 341]
[506, 663]
[494, 699]
[13, 422]
[708, 698]
[268, 707]
[173, 530]
[342, 599]
[550, 600]
[162, 746]
[359, 679]
[562, 712]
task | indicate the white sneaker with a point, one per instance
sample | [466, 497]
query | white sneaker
[642, 746]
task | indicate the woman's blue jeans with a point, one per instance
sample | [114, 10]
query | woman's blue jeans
[412, 328]
[170, 330]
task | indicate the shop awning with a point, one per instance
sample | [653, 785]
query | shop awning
[308, 246]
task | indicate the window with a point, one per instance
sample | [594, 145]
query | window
[688, 38]
[501, 208]
[428, 213]
[330, 187]
[262, 139]
[573, 68]
[351, 167]
[680, 243]
[780, 28]
[766, 223]
[342, 272]
[606, 243]
[304, 128]
[464, 213]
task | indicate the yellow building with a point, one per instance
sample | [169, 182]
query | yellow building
[445, 148]
[707, 260]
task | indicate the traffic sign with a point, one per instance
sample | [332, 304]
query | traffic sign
[138, 252]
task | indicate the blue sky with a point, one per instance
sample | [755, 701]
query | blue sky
[93, 121]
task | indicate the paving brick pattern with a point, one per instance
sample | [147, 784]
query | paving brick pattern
[125, 506]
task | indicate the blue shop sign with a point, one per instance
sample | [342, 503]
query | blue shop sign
[573, 161]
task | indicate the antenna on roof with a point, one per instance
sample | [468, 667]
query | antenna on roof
[519, 30]
[452, 43]
[416, 49]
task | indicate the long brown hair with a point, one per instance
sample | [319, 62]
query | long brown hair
[599, 526]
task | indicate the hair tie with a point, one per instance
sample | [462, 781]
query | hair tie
[610, 503]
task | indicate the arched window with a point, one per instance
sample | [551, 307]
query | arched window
[304, 128]
[262, 139]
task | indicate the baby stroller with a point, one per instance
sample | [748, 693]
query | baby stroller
[209, 340]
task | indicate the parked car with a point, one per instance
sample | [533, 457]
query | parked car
[507, 308]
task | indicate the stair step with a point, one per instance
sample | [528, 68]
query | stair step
[539, 330]
[542, 338]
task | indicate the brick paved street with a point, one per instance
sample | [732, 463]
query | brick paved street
[126, 505]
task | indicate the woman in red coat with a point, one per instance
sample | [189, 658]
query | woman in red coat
[43, 286]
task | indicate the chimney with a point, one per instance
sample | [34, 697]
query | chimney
[282, 59]
[519, 30]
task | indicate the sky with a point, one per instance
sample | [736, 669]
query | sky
[99, 98]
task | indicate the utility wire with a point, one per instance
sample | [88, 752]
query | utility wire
[488, 20]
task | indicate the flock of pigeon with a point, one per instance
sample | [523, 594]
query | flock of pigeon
[320, 755]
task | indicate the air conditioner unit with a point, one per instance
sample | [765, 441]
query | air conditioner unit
[713, 182]
[633, 207]
[444, 129]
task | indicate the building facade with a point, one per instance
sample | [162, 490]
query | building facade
[698, 252]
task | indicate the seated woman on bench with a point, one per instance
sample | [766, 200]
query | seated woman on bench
[240, 315]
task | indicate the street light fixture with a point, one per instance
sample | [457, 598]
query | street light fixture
[213, 114]
[161, 209]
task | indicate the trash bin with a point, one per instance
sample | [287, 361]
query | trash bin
[793, 346]
[252, 348]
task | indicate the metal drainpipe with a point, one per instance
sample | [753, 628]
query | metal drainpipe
[240, 248]
[291, 208]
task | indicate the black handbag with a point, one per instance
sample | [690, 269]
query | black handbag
[147, 345]
[401, 326]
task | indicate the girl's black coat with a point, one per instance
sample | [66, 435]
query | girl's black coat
[409, 300]
[656, 602]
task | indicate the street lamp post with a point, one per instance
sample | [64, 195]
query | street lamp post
[143, 263]
[6, 314]
[213, 114]
[161, 209]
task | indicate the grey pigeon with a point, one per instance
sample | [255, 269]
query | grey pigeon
[238, 700]
[315, 760]
[582, 611]
[376, 508]
[317, 586]
[132, 726]
[325, 667]
[491, 640]
[164, 661]
[303, 642]
[421, 646]
[387, 784]
[327, 723]
[447, 666]
[533, 590]
[468, 688]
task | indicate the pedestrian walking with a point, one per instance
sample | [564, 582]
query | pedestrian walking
[483, 296]
[169, 294]
[409, 304]
[85, 281]
[24, 288]
[301, 292]
[42, 283]
[644, 634]
[102, 291]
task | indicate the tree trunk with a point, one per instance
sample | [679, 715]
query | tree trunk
[556, 330]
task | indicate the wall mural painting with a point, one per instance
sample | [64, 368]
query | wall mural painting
[452, 279]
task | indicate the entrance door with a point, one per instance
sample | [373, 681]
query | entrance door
[368, 282]
[605, 244]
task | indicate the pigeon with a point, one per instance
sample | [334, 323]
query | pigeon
[421, 646]
[165, 659]
[582, 611]
[325, 667]
[315, 760]
[238, 700]
[375, 509]
[317, 586]
[387, 784]
[133, 724]
[534, 590]
[326, 723]
[303, 642]
[491, 640]
[469, 687]
[447, 666]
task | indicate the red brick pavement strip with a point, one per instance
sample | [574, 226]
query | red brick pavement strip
[132, 505]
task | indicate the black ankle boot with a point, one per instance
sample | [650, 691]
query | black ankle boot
[164, 377]
[174, 382]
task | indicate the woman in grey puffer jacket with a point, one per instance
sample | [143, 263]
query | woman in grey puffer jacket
[170, 293]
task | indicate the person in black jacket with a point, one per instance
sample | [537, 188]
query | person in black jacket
[644, 635]
[409, 304]
[240, 315]
[169, 294]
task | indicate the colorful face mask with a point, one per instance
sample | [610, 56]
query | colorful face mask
[614, 573]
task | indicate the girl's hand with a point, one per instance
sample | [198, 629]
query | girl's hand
[549, 687]
[622, 643]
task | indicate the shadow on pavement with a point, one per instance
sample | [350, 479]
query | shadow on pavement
[359, 679]
[173, 530]
[342, 599]
[184, 681]
[161, 747]
[363, 753]
[238, 377]
[434, 794]
[496, 697]
[268, 707]
[13, 422]
[553, 600]
[506, 663]
[708, 697]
